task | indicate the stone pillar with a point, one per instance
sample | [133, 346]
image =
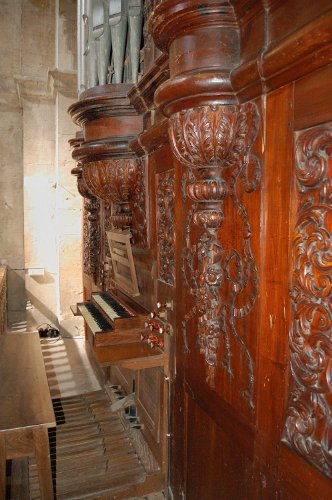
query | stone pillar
[11, 168]
[40, 223]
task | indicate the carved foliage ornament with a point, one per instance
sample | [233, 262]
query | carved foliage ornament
[139, 225]
[308, 425]
[83, 188]
[166, 226]
[111, 180]
[215, 142]
[120, 183]
[91, 237]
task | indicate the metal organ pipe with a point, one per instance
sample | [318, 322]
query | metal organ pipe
[109, 42]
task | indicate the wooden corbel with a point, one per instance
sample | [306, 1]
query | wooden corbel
[212, 136]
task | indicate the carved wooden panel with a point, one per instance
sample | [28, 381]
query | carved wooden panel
[139, 223]
[91, 238]
[215, 142]
[166, 226]
[308, 426]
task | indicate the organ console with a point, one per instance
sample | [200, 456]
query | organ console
[110, 320]
[205, 163]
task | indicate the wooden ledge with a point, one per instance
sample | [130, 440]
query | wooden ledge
[135, 356]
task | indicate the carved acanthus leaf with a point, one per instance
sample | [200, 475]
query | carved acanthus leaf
[213, 135]
[214, 143]
[308, 426]
[120, 182]
[111, 180]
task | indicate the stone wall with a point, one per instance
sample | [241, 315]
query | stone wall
[40, 212]
[11, 164]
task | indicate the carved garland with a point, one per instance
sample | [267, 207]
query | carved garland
[215, 143]
[91, 237]
[166, 227]
[308, 426]
[139, 225]
[91, 227]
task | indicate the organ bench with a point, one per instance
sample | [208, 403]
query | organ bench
[26, 408]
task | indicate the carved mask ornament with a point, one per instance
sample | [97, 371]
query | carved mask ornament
[215, 142]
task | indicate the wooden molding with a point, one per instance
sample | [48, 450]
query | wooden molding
[102, 102]
[172, 18]
[152, 139]
[141, 95]
[301, 52]
[110, 147]
[199, 88]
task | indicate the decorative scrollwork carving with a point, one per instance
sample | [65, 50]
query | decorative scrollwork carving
[215, 143]
[166, 226]
[91, 227]
[139, 226]
[308, 426]
[91, 238]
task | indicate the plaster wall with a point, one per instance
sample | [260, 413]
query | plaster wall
[11, 159]
[47, 219]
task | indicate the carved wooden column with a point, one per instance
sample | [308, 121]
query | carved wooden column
[212, 136]
[110, 171]
[215, 143]
[91, 223]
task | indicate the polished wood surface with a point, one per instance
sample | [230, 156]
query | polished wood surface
[133, 356]
[24, 393]
[26, 407]
[118, 330]
[91, 453]
[235, 156]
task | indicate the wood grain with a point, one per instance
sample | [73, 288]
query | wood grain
[237, 80]
[24, 393]
[91, 452]
[26, 411]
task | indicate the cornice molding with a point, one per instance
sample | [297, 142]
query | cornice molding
[103, 101]
[151, 140]
[63, 82]
[141, 95]
[114, 147]
[263, 70]
[172, 18]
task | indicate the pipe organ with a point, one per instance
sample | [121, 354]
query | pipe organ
[109, 42]
[204, 161]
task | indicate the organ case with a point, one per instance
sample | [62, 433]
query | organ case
[218, 161]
